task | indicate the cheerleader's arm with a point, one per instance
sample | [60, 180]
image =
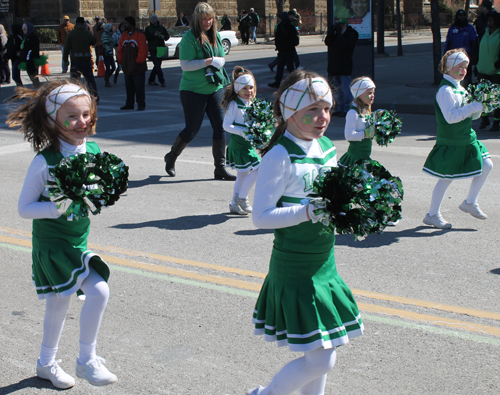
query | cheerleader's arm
[229, 120]
[28, 205]
[274, 174]
[350, 132]
[451, 107]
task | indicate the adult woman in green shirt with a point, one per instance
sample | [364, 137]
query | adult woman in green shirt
[203, 76]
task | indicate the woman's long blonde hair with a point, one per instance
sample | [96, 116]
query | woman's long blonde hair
[204, 10]
[230, 94]
[32, 120]
[361, 107]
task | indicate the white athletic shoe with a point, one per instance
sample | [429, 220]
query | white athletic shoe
[473, 209]
[53, 372]
[236, 209]
[437, 221]
[392, 223]
[95, 372]
[255, 391]
[243, 203]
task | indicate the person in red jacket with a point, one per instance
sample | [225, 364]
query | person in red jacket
[132, 54]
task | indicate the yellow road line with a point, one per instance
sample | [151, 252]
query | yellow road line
[239, 283]
[455, 324]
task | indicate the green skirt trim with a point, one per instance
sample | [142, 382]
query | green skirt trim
[456, 162]
[240, 154]
[59, 269]
[306, 304]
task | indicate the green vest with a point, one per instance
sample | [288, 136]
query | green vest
[457, 134]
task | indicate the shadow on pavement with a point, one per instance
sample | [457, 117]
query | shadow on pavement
[157, 180]
[181, 223]
[32, 382]
[390, 237]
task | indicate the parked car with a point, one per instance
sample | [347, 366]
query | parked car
[228, 38]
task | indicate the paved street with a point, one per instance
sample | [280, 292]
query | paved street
[186, 273]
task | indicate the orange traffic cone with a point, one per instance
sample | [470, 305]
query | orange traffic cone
[100, 67]
[45, 67]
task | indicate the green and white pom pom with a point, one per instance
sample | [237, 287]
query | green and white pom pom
[86, 182]
[358, 200]
[259, 117]
[486, 93]
[385, 126]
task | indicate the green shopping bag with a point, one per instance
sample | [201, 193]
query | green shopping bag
[162, 52]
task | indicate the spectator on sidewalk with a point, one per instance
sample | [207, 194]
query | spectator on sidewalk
[244, 26]
[462, 34]
[108, 45]
[14, 51]
[97, 31]
[341, 40]
[254, 23]
[481, 21]
[488, 65]
[132, 55]
[225, 23]
[182, 20]
[62, 32]
[78, 48]
[156, 35]
[285, 39]
[295, 18]
[116, 40]
[4, 60]
[30, 53]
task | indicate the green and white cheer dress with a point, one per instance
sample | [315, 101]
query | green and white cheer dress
[457, 153]
[240, 155]
[360, 148]
[304, 303]
[60, 256]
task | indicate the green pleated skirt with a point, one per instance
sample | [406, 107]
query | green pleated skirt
[240, 155]
[358, 150]
[456, 162]
[304, 303]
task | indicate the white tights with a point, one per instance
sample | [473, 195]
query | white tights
[96, 292]
[306, 374]
[475, 187]
[245, 180]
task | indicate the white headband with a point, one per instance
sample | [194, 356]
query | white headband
[242, 81]
[359, 87]
[301, 94]
[454, 59]
[59, 96]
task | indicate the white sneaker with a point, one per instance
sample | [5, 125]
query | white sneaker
[236, 209]
[392, 223]
[53, 372]
[473, 209]
[255, 391]
[243, 203]
[437, 221]
[95, 372]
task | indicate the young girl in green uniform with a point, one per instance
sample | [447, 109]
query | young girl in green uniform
[304, 303]
[240, 154]
[56, 120]
[457, 153]
[360, 138]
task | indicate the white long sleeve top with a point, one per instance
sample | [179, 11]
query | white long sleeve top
[451, 103]
[235, 115]
[34, 185]
[354, 126]
[273, 180]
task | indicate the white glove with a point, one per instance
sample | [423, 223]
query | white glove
[218, 62]
[316, 211]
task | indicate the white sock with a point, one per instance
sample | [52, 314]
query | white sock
[248, 183]
[478, 181]
[306, 374]
[438, 196]
[96, 292]
[56, 309]
[240, 179]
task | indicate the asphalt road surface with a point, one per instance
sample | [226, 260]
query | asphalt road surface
[186, 273]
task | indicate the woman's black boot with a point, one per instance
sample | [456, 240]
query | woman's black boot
[484, 122]
[171, 157]
[219, 153]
